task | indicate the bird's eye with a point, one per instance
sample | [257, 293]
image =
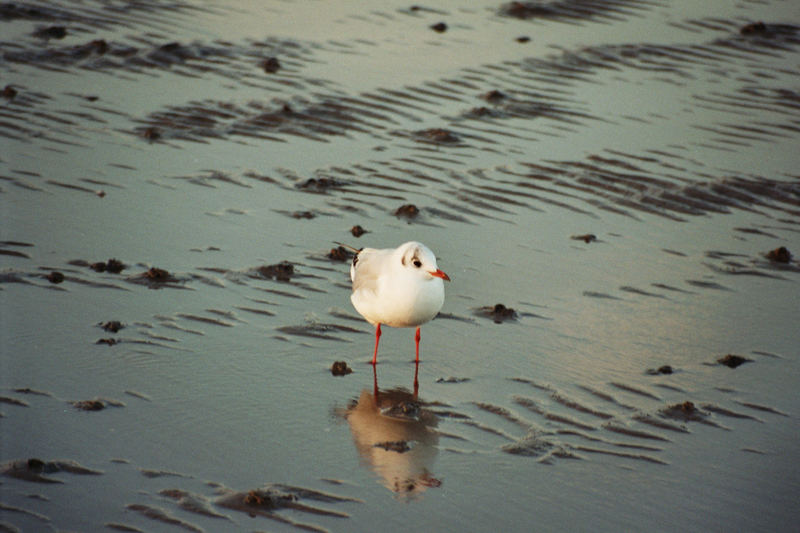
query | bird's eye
[417, 263]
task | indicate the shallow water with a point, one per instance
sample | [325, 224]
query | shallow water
[663, 133]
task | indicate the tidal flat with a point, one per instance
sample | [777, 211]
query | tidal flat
[612, 187]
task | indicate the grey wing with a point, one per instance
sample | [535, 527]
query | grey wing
[366, 268]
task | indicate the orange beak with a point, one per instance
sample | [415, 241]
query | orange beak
[439, 274]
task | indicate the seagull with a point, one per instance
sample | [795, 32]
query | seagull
[397, 287]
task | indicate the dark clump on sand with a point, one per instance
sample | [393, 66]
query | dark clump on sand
[499, 313]
[523, 39]
[172, 53]
[664, 369]
[761, 30]
[753, 28]
[452, 379]
[732, 361]
[357, 231]
[282, 271]
[439, 27]
[100, 47]
[153, 278]
[112, 326]
[340, 253]
[483, 111]
[303, 214]
[340, 368]
[89, 405]
[319, 184]
[438, 135]
[51, 32]
[685, 411]
[158, 274]
[259, 500]
[151, 134]
[494, 96]
[526, 10]
[115, 266]
[408, 211]
[55, 277]
[780, 255]
[109, 341]
[9, 92]
[587, 238]
[266, 501]
[271, 65]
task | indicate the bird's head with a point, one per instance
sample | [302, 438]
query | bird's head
[415, 256]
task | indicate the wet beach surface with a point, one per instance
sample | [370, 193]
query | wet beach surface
[612, 187]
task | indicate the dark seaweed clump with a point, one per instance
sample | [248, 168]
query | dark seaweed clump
[268, 499]
[340, 368]
[780, 255]
[408, 211]
[157, 274]
[282, 271]
[733, 361]
[112, 326]
[115, 266]
[587, 238]
[452, 379]
[271, 65]
[754, 28]
[89, 405]
[664, 369]
[499, 313]
[55, 277]
[437, 136]
[340, 253]
[151, 134]
[320, 184]
[685, 411]
[494, 96]
[51, 32]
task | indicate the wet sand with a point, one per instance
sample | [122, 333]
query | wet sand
[612, 187]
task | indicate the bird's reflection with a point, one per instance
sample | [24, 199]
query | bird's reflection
[395, 436]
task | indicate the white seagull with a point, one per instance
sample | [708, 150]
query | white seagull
[398, 287]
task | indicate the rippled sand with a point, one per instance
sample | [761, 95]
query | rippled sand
[611, 185]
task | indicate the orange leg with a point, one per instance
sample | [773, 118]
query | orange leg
[377, 338]
[416, 340]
